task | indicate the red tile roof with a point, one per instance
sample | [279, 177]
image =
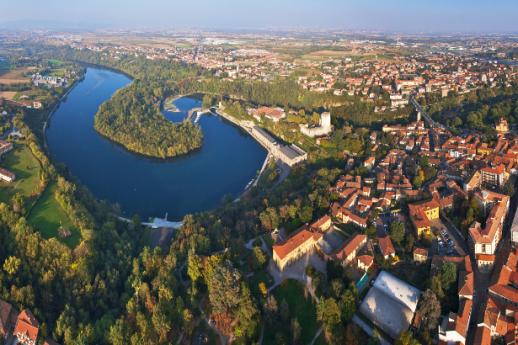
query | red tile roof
[295, 241]
[494, 220]
[482, 336]
[351, 246]
[462, 320]
[366, 260]
[321, 224]
[421, 251]
[386, 246]
[27, 325]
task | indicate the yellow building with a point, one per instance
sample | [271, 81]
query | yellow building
[432, 213]
[484, 149]
[299, 244]
[502, 126]
[422, 214]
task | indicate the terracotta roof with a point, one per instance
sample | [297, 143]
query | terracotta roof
[496, 171]
[421, 251]
[295, 241]
[271, 112]
[386, 246]
[318, 224]
[494, 220]
[507, 292]
[417, 212]
[462, 319]
[486, 257]
[467, 264]
[366, 260]
[467, 285]
[351, 246]
[27, 325]
[482, 336]
[354, 218]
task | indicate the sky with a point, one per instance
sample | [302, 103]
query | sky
[410, 16]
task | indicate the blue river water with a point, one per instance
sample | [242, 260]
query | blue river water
[228, 160]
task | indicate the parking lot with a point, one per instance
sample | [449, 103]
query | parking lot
[385, 219]
[445, 243]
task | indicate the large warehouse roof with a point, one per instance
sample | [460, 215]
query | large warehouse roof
[390, 304]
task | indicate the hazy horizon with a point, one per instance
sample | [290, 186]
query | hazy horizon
[441, 16]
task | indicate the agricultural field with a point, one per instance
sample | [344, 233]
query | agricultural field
[47, 216]
[16, 76]
[8, 95]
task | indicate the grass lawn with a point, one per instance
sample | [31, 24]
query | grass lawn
[300, 307]
[58, 72]
[21, 162]
[55, 62]
[47, 216]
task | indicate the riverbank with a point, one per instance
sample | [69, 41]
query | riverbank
[53, 110]
[247, 126]
[198, 182]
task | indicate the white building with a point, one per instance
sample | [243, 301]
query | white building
[390, 304]
[290, 155]
[514, 230]
[6, 176]
[324, 127]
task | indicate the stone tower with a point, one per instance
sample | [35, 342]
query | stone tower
[325, 120]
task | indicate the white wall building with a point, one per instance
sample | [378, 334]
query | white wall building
[324, 127]
[390, 304]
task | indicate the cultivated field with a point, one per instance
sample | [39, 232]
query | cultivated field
[15, 76]
[8, 95]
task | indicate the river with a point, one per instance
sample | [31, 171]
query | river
[228, 160]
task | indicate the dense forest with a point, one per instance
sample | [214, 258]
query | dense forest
[480, 109]
[288, 94]
[132, 118]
